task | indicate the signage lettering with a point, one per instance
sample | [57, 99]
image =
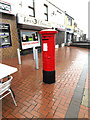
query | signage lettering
[34, 21]
[5, 7]
[30, 43]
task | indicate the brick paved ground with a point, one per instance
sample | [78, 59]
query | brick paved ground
[85, 105]
[38, 100]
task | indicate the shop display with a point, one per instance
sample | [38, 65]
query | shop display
[5, 38]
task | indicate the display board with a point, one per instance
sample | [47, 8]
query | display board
[29, 39]
[5, 37]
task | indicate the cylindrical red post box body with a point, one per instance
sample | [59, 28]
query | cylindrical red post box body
[48, 49]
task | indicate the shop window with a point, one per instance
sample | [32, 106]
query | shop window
[29, 39]
[45, 12]
[31, 8]
[29, 36]
[5, 37]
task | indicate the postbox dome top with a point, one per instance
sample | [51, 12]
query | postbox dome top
[48, 31]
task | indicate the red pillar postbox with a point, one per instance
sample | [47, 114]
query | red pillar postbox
[48, 50]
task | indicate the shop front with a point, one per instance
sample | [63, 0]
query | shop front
[60, 36]
[69, 35]
[8, 31]
[75, 36]
[28, 40]
[28, 30]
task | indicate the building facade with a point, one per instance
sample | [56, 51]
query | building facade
[57, 20]
[25, 23]
[22, 22]
[29, 25]
[33, 17]
[69, 23]
[8, 31]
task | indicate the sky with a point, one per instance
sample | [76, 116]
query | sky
[78, 9]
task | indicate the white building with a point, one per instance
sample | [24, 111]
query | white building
[36, 15]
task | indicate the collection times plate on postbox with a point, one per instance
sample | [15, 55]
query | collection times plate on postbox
[45, 47]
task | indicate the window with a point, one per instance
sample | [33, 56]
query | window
[5, 37]
[29, 36]
[69, 21]
[31, 8]
[29, 39]
[45, 12]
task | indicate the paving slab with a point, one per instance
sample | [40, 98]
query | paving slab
[38, 100]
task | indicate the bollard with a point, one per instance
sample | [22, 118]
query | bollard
[34, 53]
[36, 56]
[19, 58]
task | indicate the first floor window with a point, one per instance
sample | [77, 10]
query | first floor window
[45, 12]
[31, 6]
[69, 21]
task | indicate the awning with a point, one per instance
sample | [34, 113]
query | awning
[31, 27]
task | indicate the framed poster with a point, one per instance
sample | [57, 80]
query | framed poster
[5, 37]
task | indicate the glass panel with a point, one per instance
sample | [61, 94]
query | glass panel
[5, 38]
[29, 36]
[45, 9]
[69, 21]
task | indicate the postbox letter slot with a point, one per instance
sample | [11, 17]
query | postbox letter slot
[45, 39]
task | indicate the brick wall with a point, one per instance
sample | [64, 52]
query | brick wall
[11, 51]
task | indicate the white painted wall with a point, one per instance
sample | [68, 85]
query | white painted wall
[58, 18]
[39, 11]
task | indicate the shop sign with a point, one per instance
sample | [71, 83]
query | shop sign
[69, 30]
[33, 21]
[26, 45]
[5, 38]
[5, 7]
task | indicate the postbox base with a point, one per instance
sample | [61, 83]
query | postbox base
[49, 77]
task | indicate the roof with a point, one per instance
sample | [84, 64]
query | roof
[69, 15]
[59, 9]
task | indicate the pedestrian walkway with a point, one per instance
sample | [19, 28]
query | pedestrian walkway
[38, 100]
